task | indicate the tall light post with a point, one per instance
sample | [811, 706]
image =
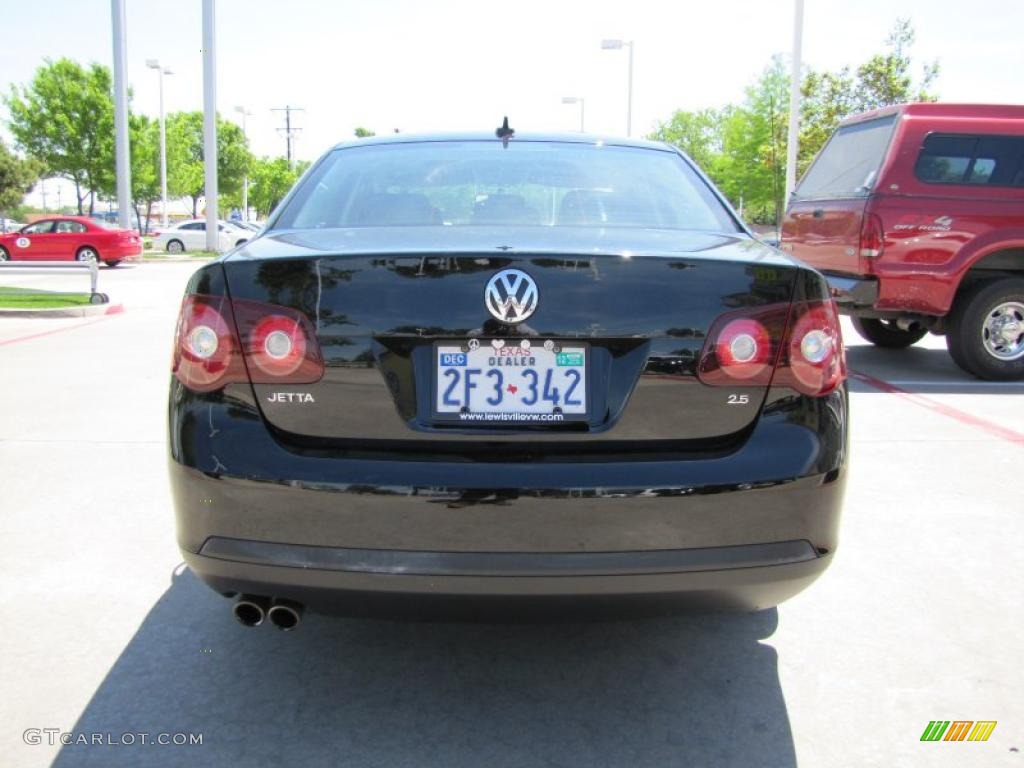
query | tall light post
[122, 155]
[575, 100]
[794, 101]
[210, 124]
[245, 179]
[161, 71]
[614, 45]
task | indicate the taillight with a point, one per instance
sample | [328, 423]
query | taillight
[798, 346]
[206, 354]
[815, 361]
[278, 344]
[743, 347]
[872, 239]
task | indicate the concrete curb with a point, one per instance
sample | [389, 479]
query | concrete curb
[85, 310]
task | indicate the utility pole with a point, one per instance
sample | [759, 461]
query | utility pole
[210, 123]
[288, 131]
[122, 162]
[794, 100]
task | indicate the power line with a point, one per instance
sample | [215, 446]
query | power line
[289, 131]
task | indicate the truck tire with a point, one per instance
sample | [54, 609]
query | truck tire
[986, 329]
[885, 333]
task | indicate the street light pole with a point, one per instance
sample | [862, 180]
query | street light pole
[614, 45]
[210, 123]
[575, 100]
[793, 138]
[245, 179]
[122, 157]
[161, 71]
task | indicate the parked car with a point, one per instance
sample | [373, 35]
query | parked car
[915, 214]
[10, 225]
[79, 238]
[191, 236]
[555, 371]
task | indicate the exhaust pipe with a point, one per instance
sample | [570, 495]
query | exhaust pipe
[285, 615]
[250, 610]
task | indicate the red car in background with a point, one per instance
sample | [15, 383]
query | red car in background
[70, 238]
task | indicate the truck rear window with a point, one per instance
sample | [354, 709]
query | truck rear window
[849, 163]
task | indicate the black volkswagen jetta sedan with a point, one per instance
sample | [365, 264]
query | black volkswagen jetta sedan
[547, 370]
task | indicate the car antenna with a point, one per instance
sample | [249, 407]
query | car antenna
[504, 133]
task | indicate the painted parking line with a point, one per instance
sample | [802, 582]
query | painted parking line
[114, 309]
[948, 411]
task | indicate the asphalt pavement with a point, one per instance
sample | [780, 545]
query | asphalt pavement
[920, 618]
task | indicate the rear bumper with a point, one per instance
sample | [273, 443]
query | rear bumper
[730, 580]
[852, 293]
[742, 530]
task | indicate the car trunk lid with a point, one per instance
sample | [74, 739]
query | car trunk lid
[641, 303]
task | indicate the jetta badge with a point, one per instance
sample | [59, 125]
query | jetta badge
[511, 296]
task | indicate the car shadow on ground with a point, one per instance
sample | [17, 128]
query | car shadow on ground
[688, 690]
[918, 369]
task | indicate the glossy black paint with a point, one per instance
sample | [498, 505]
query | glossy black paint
[306, 501]
[644, 312]
[234, 478]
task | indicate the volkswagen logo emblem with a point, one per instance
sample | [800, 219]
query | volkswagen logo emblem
[511, 296]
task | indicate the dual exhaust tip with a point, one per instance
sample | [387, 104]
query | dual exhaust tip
[253, 610]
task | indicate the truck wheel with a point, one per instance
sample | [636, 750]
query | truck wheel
[885, 333]
[986, 329]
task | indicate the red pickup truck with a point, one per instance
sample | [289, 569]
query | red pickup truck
[915, 214]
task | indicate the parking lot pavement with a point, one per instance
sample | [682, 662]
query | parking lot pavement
[920, 617]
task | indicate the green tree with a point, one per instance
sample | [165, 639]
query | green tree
[741, 147]
[364, 133]
[698, 134]
[144, 139]
[270, 180]
[17, 177]
[185, 169]
[754, 146]
[64, 119]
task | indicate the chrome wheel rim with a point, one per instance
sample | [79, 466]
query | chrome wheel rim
[174, 247]
[87, 254]
[1003, 331]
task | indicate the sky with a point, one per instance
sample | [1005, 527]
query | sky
[441, 65]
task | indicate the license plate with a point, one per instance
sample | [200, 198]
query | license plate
[518, 381]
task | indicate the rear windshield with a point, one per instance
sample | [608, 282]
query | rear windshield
[482, 183]
[849, 163]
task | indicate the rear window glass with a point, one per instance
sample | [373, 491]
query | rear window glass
[482, 183]
[963, 159]
[849, 163]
